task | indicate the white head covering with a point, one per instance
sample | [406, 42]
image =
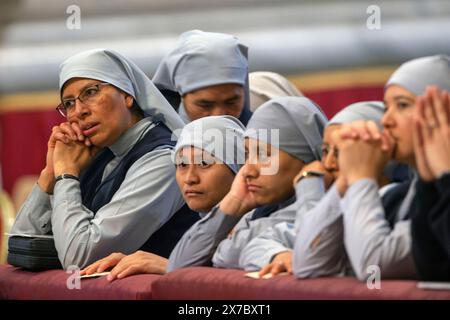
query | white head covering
[109, 66]
[266, 85]
[220, 136]
[300, 122]
[204, 59]
[415, 75]
[366, 110]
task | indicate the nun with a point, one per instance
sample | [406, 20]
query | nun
[377, 232]
[109, 182]
[282, 136]
[209, 71]
[265, 85]
[208, 155]
[313, 245]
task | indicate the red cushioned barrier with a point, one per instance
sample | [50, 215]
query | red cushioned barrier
[48, 285]
[201, 283]
[208, 283]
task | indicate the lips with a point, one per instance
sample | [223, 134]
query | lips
[89, 128]
[192, 193]
[253, 187]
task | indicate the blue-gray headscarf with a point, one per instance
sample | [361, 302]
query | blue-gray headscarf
[300, 123]
[415, 75]
[204, 59]
[365, 110]
[220, 136]
[111, 67]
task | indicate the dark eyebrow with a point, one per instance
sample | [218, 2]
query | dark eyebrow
[235, 97]
[203, 101]
[82, 89]
[403, 97]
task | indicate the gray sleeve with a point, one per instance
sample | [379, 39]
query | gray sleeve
[260, 250]
[229, 250]
[34, 216]
[308, 192]
[198, 244]
[146, 199]
[319, 244]
[368, 238]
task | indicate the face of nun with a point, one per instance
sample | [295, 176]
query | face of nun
[106, 117]
[398, 122]
[219, 100]
[202, 181]
[330, 151]
[269, 188]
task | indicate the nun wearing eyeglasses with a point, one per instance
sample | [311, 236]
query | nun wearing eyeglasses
[109, 181]
[209, 71]
[281, 136]
[313, 245]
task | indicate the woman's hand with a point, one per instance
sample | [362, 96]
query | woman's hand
[239, 200]
[138, 263]
[64, 133]
[72, 157]
[103, 264]
[281, 263]
[432, 133]
[363, 151]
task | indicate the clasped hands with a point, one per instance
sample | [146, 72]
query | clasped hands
[68, 151]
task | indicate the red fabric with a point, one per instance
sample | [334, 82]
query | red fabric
[201, 283]
[24, 137]
[17, 284]
[331, 101]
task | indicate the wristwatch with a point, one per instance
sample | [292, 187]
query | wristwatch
[66, 176]
[308, 174]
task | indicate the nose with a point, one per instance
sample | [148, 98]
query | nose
[250, 171]
[191, 177]
[80, 110]
[330, 161]
[387, 121]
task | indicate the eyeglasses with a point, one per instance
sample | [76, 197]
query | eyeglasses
[326, 149]
[88, 96]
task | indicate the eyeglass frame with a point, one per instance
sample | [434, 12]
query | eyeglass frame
[327, 148]
[62, 109]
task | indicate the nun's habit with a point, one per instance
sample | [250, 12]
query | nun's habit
[323, 218]
[389, 225]
[265, 86]
[300, 123]
[200, 60]
[220, 136]
[86, 227]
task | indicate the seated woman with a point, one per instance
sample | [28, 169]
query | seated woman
[282, 136]
[109, 181]
[208, 154]
[265, 85]
[430, 219]
[209, 71]
[377, 232]
[317, 233]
